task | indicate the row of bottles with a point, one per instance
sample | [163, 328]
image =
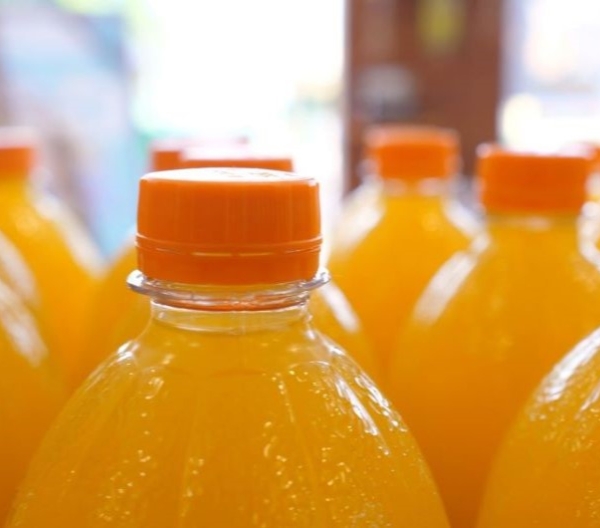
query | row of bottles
[495, 318]
[48, 269]
[224, 405]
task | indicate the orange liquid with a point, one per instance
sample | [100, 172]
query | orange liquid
[63, 261]
[15, 273]
[389, 244]
[119, 315]
[547, 472]
[30, 394]
[228, 420]
[490, 325]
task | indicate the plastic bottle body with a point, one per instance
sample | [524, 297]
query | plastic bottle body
[62, 259]
[491, 323]
[391, 239]
[30, 393]
[547, 472]
[229, 417]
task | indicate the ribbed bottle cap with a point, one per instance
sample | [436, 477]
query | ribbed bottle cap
[228, 226]
[18, 150]
[531, 182]
[412, 152]
[240, 157]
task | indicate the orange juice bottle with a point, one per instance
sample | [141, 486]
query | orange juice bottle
[229, 409]
[398, 228]
[119, 315]
[30, 393]
[546, 473]
[63, 260]
[495, 318]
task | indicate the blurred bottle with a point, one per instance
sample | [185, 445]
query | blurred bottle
[398, 228]
[166, 153]
[120, 315]
[590, 224]
[496, 318]
[63, 259]
[593, 151]
[547, 472]
[229, 410]
[31, 393]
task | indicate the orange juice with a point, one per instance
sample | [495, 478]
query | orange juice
[398, 228]
[229, 409]
[119, 315]
[15, 273]
[495, 318]
[63, 260]
[30, 394]
[547, 473]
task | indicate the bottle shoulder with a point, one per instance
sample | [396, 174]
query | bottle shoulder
[401, 224]
[318, 425]
[33, 219]
[573, 387]
[489, 280]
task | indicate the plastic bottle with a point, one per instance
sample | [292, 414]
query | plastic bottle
[30, 393]
[547, 472]
[63, 259]
[167, 153]
[229, 409]
[398, 228]
[496, 318]
[119, 315]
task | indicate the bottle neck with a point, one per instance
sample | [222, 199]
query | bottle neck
[227, 309]
[14, 183]
[434, 188]
[564, 229]
[230, 321]
[533, 221]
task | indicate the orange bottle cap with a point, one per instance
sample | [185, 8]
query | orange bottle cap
[228, 227]
[234, 157]
[531, 182]
[589, 149]
[165, 154]
[18, 148]
[412, 152]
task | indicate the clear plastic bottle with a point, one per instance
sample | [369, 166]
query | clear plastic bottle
[398, 228]
[495, 319]
[229, 409]
[119, 315]
[62, 258]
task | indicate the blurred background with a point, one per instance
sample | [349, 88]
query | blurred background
[102, 78]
